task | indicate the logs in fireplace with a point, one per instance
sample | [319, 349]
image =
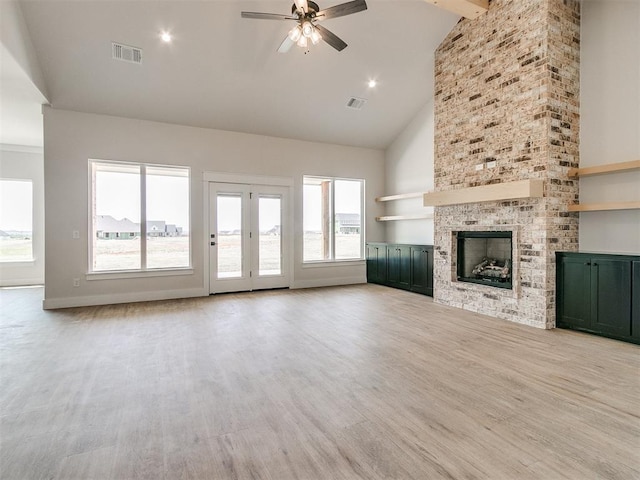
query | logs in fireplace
[485, 257]
[491, 269]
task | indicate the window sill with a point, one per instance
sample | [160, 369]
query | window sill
[18, 263]
[334, 263]
[118, 275]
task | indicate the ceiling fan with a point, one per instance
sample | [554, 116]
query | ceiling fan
[307, 13]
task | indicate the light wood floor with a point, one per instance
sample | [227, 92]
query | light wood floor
[337, 383]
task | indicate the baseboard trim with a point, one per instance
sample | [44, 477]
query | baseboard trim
[328, 282]
[88, 301]
[23, 282]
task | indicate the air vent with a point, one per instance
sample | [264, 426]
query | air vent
[356, 103]
[126, 53]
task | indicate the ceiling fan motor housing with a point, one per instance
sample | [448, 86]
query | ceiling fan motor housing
[313, 8]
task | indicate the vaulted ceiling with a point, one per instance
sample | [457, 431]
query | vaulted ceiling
[222, 71]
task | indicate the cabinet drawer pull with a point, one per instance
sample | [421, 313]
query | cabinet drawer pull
[587, 263]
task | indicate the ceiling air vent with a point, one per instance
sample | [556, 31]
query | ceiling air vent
[356, 103]
[126, 53]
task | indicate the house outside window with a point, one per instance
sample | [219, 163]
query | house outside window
[140, 217]
[333, 219]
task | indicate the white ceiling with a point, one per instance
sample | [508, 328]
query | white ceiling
[222, 71]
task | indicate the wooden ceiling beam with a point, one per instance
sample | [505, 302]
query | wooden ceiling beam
[464, 8]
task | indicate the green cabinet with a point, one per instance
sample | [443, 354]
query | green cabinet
[376, 262]
[409, 267]
[598, 293]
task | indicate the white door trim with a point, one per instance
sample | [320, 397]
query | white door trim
[222, 177]
[226, 177]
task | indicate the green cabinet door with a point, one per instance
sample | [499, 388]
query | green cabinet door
[611, 296]
[376, 262]
[635, 300]
[574, 292]
[399, 266]
[421, 270]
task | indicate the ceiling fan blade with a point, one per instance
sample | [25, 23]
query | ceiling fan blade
[331, 38]
[302, 5]
[266, 16]
[341, 10]
[286, 45]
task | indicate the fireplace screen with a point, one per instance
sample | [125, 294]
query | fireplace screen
[485, 257]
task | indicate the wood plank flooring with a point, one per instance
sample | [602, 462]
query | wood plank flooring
[358, 382]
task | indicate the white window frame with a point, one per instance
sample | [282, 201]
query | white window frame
[332, 239]
[143, 271]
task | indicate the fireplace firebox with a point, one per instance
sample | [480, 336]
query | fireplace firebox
[485, 257]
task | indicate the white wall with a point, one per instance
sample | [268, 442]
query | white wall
[26, 163]
[72, 138]
[409, 169]
[610, 122]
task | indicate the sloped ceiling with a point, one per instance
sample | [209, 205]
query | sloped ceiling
[22, 85]
[223, 72]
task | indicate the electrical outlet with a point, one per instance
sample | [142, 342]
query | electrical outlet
[75, 234]
[76, 282]
[491, 164]
[480, 166]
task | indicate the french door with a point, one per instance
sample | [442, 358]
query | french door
[248, 237]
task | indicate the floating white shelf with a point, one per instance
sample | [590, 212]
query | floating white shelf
[402, 196]
[598, 207]
[418, 216]
[602, 169]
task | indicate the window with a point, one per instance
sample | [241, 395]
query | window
[16, 220]
[333, 216]
[140, 217]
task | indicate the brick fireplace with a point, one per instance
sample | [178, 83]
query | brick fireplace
[507, 109]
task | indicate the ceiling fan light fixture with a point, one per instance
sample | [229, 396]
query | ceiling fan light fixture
[307, 29]
[302, 41]
[315, 37]
[295, 33]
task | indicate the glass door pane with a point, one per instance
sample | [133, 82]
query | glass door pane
[229, 228]
[270, 240]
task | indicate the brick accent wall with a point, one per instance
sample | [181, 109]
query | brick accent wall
[507, 91]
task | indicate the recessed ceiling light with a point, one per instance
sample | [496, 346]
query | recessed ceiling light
[166, 37]
[372, 83]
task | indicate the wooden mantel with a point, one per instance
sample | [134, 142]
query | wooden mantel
[532, 188]
[465, 8]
